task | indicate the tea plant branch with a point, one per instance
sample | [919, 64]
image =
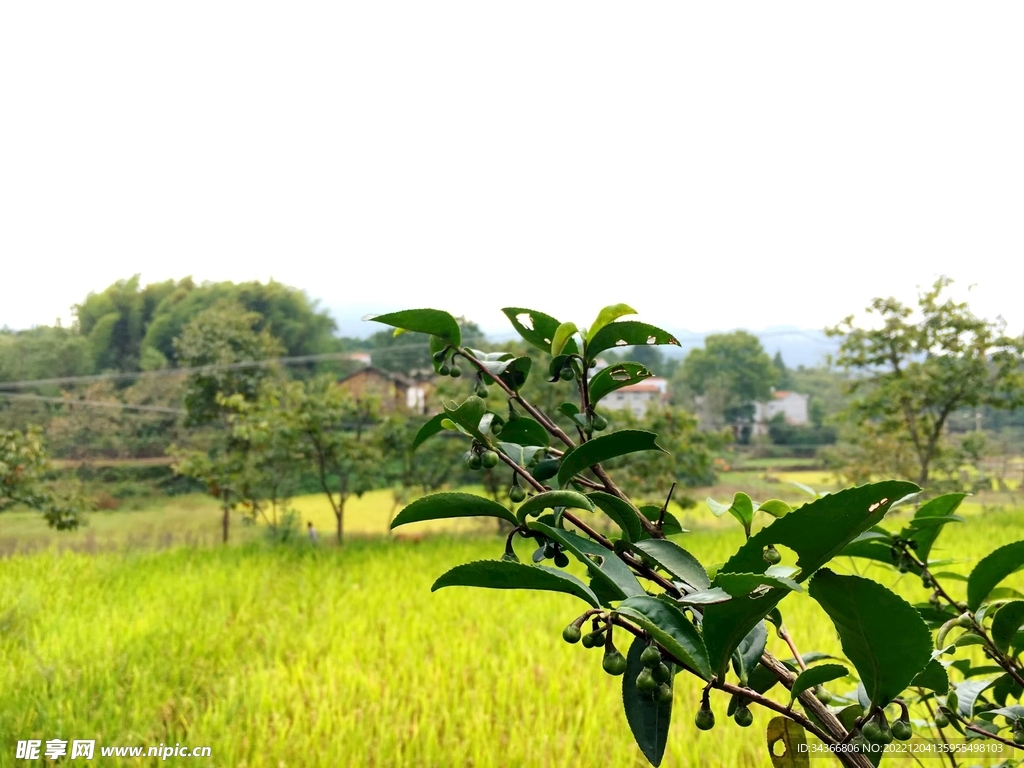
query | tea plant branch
[1000, 658]
[556, 431]
[758, 698]
[993, 736]
[788, 638]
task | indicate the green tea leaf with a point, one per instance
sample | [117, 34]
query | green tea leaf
[428, 430]
[440, 506]
[627, 333]
[607, 315]
[524, 431]
[516, 372]
[939, 507]
[881, 633]
[468, 415]
[563, 333]
[603, 448]
[933, 677]
[621, 513]
[748, 653]
[551, 499]
[967, 694]
[992, 569]
[503, 574]
[648, 720]
[670, 628]
[602, 563]
[775, 508]
[742, 508]
[814, 676]
[676, 560]
[1006, 623]
[614, 377]
[752, 584]
[433, 321]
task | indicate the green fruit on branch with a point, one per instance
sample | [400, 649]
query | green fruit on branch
[823, 695]
[600, 423]
[704, 719]
[614, 663]
[455, 372]
[645, 682]
[771, 555]
[474, 461]
[901, 730]
[489, 459]
[941, 721]
[566, 374]
[664, 694]
[651, 656]
[517, 494]
[444, 369]
[572, 634]
[661, 673]
[562, 560]
[589, 640]
[1018, 737]
[872, 732]
[743, 716]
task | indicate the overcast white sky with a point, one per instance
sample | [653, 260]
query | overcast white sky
[715, 165]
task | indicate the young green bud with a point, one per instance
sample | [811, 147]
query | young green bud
[562, 560]
[964, 620]
[645, 682]
[661, 673]
[771, 555]
[651, 656]
[664, 694]
[704, 719]
[566, 374]
[872, 732]
[614, 663]
[743, 716]
[572, 634]
[941, 721]
[901, 730]
[822, 695]
[600, 423]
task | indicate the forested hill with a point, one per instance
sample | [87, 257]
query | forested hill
[129, 327]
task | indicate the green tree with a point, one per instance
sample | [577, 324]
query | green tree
[336, 434]
[732, 371]
[23, 462]
[914, 371]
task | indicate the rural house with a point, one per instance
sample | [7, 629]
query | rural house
[397, 393]
[637, 397]
[792, 405]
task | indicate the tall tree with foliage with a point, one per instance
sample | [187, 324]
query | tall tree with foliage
[23, 462]
[914, 370]
[734, 371]
[336, 433]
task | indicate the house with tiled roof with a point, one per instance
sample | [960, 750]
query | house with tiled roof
[637, 397]
[792, 405]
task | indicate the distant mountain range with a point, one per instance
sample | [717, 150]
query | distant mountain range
[799, 346]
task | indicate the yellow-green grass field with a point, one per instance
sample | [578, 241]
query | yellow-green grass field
[299, 655]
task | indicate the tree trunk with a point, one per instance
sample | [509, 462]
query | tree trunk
[340, 517]
[226, 521]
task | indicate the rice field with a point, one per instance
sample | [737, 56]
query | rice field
[294, 655]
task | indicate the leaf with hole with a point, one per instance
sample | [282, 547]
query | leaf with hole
[868, 617]
[627, 333]
[605, 447]
[787, 744]
[616, 376]
[503, 574]
[817, 532]
[433, 321]
[670, 628]
[536, 327]
[441, 506]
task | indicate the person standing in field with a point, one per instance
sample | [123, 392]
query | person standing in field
[313, 535]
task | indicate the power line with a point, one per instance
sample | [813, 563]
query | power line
[94, 403]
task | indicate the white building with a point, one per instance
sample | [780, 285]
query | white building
[637, 397]
[793, 406]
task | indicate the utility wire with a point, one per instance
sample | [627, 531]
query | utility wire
[94, 403]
